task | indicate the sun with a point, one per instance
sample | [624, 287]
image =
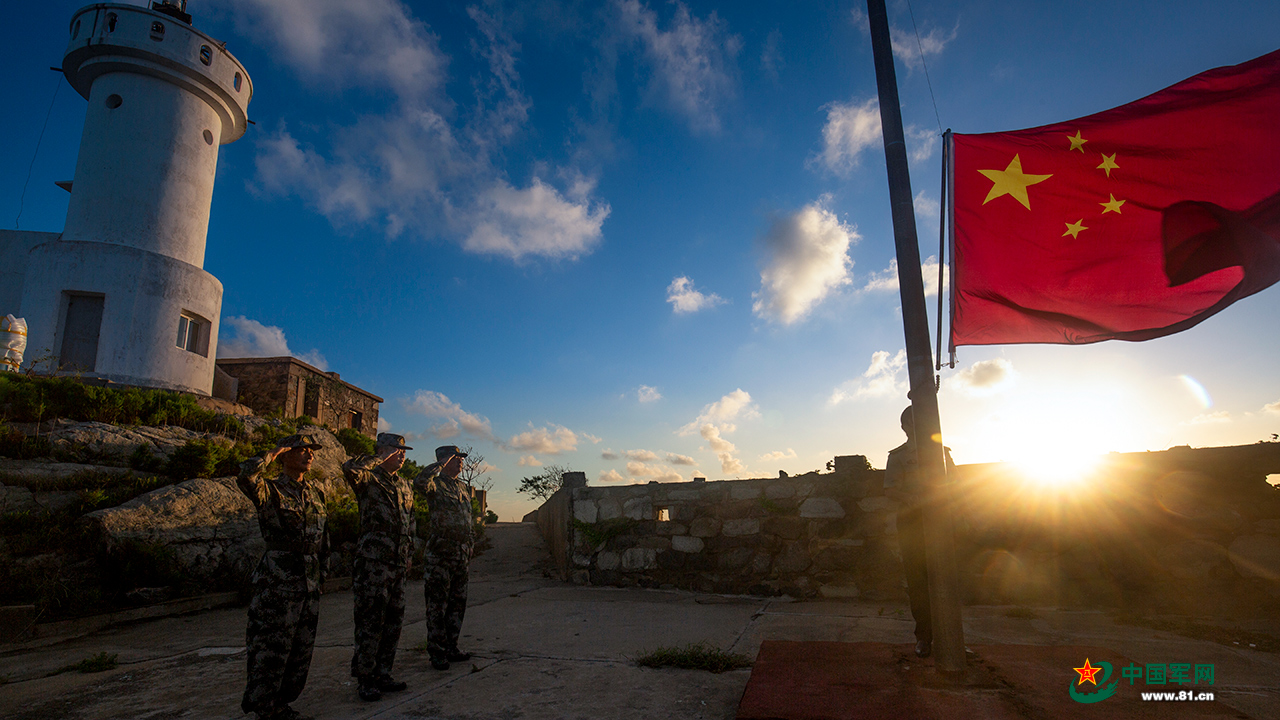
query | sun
[1055, 436]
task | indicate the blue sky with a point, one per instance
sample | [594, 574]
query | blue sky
[649, 240]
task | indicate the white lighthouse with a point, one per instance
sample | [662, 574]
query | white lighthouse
[122, 294]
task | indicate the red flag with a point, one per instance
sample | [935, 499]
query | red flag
[1131, 224]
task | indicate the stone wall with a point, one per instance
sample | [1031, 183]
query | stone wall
[1190, 529]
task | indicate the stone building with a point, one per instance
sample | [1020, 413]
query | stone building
[292, 388]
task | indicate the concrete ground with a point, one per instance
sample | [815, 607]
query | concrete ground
[544, 649]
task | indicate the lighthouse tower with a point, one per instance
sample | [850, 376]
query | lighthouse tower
[122, 294]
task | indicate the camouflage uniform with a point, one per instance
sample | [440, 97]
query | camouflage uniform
[382, 560]
[902, 472]
[445, 562]
[286, 587]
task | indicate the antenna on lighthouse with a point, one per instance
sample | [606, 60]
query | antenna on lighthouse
[173, 8]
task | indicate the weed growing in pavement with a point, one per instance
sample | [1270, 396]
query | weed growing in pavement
[694, 656]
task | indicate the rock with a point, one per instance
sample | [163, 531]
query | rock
[609, 509]
[44, 472]
[639, 559]
[209, 525]
[821, 507]
[705, 527]
[735, 558]
[1256, 556]
[117, 443]
[585, 511]
[874, 504]
[1192, 559]
[1267, 527]
[670, 528]
[793, 559]
[778, 491]
[16, 499]
[838, 590]
[686, 544]
[638, 508]
[745, 493]
[738, 528]
[608, 561]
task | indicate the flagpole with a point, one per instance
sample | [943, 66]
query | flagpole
[944, 598]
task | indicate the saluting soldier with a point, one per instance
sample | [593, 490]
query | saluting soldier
[904, 482]
[286, 584]
[448, 554]
[382, 562]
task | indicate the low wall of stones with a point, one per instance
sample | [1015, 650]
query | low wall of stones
[1188, 530]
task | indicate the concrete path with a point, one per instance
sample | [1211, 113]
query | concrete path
[544, 649]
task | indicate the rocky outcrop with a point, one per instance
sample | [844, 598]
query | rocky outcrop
[115, 443]
[208, 524]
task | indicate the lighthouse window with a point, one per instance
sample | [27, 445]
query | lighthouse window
[111, 22]
[75, 31]
[157, 30]
[206, 54]
[236, 82]
[114, 101]
[193, 333]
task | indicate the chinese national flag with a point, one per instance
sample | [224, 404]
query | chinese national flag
[1130, 224]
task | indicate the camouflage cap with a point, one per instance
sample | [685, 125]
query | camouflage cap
[444, 452]
[392, 440]
[301, 440]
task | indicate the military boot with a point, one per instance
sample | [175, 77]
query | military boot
[369, 690]
[386, 683]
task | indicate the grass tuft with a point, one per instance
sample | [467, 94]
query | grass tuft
[694, 656]
[92, 664]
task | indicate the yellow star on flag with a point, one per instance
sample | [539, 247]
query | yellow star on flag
[1108, 163]
[1073, 229]
[1077, 142]
[1112, 206]
[1012, 181]
[1087, 673]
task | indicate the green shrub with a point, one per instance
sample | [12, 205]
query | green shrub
[343, 522]
[409, 471]
[36, 399]
[355, 442]
[143, 459]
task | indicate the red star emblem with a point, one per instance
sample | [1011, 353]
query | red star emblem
[1088, 672]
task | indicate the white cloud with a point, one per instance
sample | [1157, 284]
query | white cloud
[882, 379]
[926, 206]
[692, 61]
[589, 437]
[250, 338]
[534, 221]
[984, 377]
[384, 425]
[641, 455]
[661, 474]
[610, 455]
[648, 394]
[528, 461]
[850, 129]
[685, 299]
[771, 60]
[1222, 416]
[550, 440]
[723, 449]
[808, 259]
[887, 280]
[1273, 408]
[455, 420]
[723, 412]
[675, 459]
[908, 49]
[611, 476]
[778, 455]
[854, 127]
[414, 161]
